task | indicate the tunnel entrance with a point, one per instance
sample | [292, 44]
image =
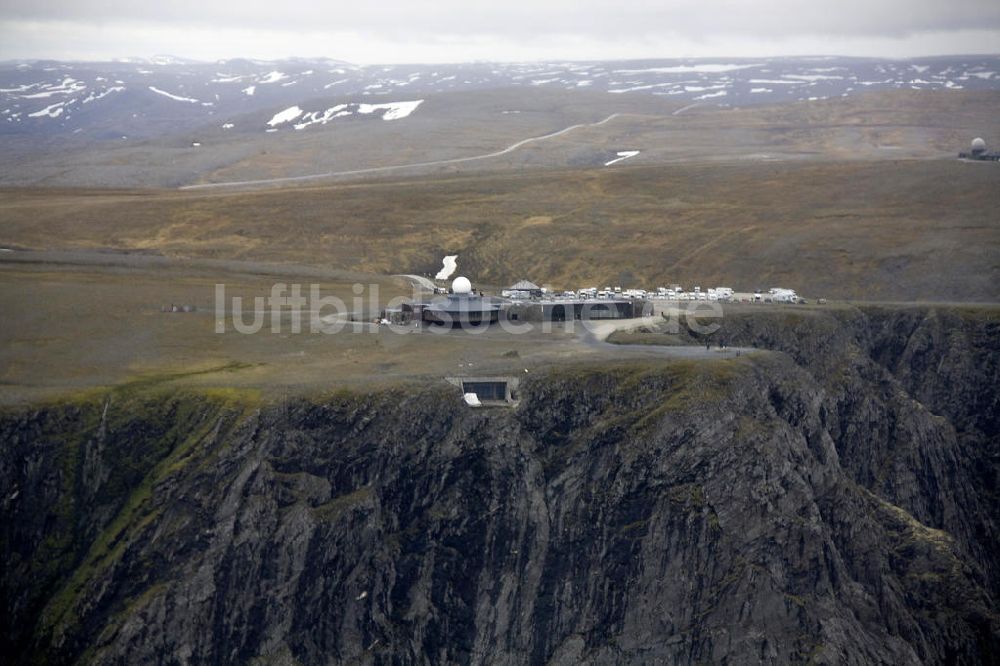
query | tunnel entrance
[495, 390]
[490, 391]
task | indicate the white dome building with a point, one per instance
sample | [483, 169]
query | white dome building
[977, 152]
[462, 307]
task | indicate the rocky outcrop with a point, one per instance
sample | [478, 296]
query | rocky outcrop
[912, 403]
[826, 502]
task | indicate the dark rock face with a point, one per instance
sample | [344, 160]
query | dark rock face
[911, 398]
[835, 503]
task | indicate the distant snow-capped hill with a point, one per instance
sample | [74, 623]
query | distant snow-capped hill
[138, 99]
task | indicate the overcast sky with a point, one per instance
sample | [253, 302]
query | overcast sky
[399, 31]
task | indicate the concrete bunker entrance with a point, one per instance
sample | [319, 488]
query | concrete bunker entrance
[494, 391]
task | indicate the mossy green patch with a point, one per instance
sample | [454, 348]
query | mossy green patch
[329, 511]
[692, 384]
[795, 600]
[172, 426]
[647, 337]
[687, 494]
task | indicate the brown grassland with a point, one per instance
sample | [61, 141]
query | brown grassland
[890, 230]
[855, 199]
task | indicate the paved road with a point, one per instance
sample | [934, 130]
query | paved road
[685, 108]
[355, 172]
[595, 336]
[418, 279]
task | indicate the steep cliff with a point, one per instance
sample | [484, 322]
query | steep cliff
[913, 403]
[833, 501]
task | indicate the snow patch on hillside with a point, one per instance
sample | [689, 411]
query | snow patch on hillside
[93, 97]
[289, 114]
[67, 86]
[177, 98]
[450, 264]
[273, 77]
[390, 111]
[51, 111]
[707, 68]
[813, 77]
[393, 110]
[322, 118]
[622, 155]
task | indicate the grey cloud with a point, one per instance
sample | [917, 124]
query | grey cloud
[516, 19]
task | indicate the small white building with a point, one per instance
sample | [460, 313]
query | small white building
[523, 289]
[782, 295]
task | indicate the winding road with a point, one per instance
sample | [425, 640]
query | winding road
[685, 108]
[356, 172]
[418, 279]
[595, 335]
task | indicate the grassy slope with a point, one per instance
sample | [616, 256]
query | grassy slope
[906, 230]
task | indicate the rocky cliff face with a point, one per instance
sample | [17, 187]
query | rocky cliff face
[833, 501]
[914, 404]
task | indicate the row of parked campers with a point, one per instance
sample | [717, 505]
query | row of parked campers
[696, 294]
[675, 293]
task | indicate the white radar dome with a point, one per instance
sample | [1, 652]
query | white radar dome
[461, 285]
[978, 144]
